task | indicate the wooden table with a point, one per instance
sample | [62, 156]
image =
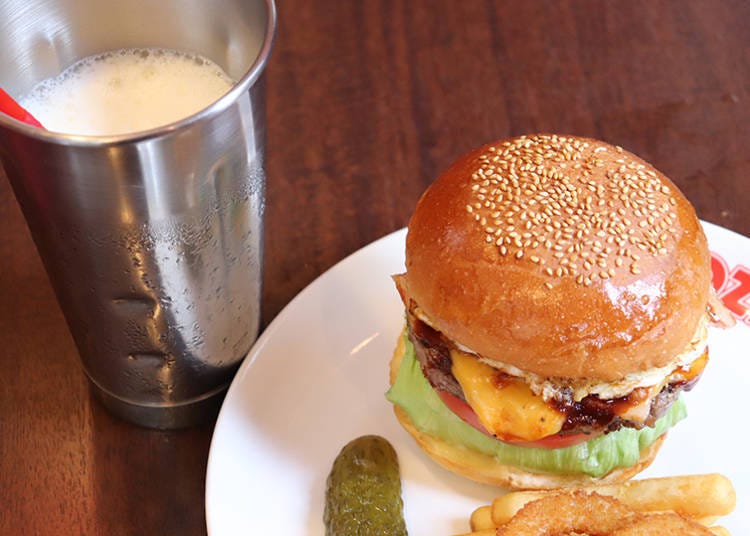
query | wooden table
[367, 102]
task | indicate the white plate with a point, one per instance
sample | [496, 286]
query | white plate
[316, 378]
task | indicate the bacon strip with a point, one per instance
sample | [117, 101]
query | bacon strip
[718, 313]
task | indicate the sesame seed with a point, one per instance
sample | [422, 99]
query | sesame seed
[561, 191]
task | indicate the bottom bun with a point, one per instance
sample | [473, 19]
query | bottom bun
[486, 469]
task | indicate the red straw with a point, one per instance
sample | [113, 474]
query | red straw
[13, 109]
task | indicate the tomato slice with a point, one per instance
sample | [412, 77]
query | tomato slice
[469, 416]
[463, 411]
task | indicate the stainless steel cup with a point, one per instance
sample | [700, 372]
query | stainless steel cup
[153, 241]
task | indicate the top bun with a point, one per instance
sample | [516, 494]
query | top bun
[562, 256]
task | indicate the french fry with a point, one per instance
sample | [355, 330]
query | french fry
[481, 524]
[481, 518]
[694, 496]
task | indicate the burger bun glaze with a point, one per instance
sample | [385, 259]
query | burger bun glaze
[584, 261]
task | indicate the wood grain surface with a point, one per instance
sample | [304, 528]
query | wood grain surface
[368, 100]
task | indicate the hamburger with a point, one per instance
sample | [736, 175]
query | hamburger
[557, 297]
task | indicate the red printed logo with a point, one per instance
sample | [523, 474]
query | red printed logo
[732, 286]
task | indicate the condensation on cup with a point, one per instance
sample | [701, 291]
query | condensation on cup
[152, 239]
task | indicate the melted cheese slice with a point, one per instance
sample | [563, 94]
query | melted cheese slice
[505, 406]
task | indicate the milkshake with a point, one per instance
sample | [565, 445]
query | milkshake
[126, 91]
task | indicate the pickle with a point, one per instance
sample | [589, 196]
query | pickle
[363, 491]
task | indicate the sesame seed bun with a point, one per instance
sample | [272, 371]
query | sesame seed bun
[487, 470]
[561, 256]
